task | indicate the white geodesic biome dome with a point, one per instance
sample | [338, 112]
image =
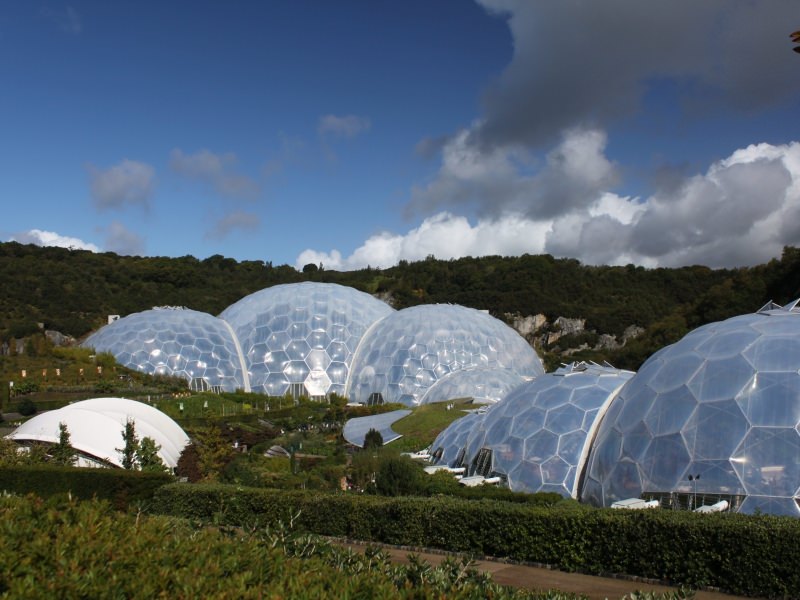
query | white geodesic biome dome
[721, 405]
[484, 385]
[175, 341]
[95, 427]
[408, 351]
[539, 435]
[449, 447]
[300, 338]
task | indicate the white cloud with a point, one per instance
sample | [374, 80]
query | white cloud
[742, 211]
[123, 241]
[51, 238]
[215, 170]
[505, 179]
[344, 126]
[128, 183]
[237, 220]
[443, 236]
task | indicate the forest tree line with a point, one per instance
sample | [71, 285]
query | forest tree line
[73, 291]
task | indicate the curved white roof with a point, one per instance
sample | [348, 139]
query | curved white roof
[95, 427]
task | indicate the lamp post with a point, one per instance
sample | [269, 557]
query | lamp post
[694, 478]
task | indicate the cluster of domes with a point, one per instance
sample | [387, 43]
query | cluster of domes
[715, 416]
[313, 339]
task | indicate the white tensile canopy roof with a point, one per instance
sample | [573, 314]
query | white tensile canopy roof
[95, 427]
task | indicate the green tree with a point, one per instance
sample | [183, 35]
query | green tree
[12, 454]
[128, 452]
[399, 476]
[63, 453]
[147, 456]
[213, 453]
[373, 439]
[27, 407]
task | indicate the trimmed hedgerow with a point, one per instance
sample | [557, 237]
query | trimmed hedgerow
[121, 488]
[750, 555]
[69, 549]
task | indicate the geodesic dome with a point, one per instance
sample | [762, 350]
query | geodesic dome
[408, 351]
[301, 337]
[174, 341]
[721, 405]
[95, 427]
[483, 384]
[539, 435]
[449, 446]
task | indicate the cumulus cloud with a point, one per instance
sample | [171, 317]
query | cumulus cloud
[123, 241]
[128, 183]
[237, 220]
[742, 211]
[505, 179]
[585, 64]
[39, 237]
[215, 170]
[444, 236]
[345, 126]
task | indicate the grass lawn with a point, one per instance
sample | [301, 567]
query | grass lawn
[421, 427]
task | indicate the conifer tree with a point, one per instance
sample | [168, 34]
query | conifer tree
[63, 453]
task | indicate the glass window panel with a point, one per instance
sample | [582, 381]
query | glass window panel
[768, 461]
[527, 476]
[775, 353]
[772, 399]
[541, 446]
[675, 372]
[564, 418]
[717, 430]
[671, 411]
[664, 462]
[554, 471]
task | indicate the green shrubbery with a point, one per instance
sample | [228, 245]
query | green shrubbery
[85, 550]
[121, 488]
[743, 554]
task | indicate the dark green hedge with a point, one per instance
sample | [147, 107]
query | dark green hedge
[121, 488]
[750, 555]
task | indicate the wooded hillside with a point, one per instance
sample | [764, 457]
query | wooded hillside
[73, 291]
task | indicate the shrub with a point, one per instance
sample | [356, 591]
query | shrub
[60, 549]
[27, 407]
[746, 555]
[121, 488]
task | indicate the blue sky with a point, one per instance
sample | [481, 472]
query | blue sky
[363, 132]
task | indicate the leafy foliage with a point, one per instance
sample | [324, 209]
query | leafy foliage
[373, 439]
[84, 550]
[746, 555]
[63, 453]
[73, 291]
[121, 488]
[128, 451]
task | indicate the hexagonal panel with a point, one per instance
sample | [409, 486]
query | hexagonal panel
[298, 318]
[734, 420]
[438, 339]
[174, 341]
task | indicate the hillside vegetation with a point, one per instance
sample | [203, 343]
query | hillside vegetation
[73, 291]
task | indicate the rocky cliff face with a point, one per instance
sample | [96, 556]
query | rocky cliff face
[567, 335]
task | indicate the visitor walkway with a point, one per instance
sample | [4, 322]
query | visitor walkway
[542, 579]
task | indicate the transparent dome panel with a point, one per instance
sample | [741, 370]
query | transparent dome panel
[430, 337]
[174, 341]
[314, 324]
[733, 420]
